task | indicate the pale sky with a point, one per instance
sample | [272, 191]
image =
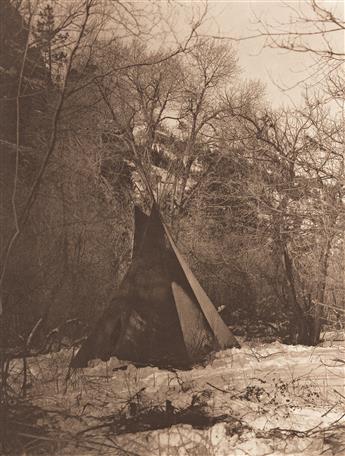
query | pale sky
[272, 66]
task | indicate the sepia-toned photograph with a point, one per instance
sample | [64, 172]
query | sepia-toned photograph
[172, 227]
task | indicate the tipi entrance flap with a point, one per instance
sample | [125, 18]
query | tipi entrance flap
[221, 332]
[197, 336]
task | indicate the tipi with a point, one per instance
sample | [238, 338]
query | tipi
[161, 315]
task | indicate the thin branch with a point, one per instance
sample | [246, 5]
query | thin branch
[15, 178]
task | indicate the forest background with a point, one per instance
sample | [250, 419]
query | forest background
[96, 96]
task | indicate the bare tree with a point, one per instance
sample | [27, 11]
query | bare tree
[300, 164]
[212, 67]
[313, 28]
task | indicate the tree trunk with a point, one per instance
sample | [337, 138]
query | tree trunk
[301, 321]
[320, 295]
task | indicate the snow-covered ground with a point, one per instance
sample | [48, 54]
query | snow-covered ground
[274, 399]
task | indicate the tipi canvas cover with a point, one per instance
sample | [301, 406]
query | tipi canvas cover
[161, 314]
